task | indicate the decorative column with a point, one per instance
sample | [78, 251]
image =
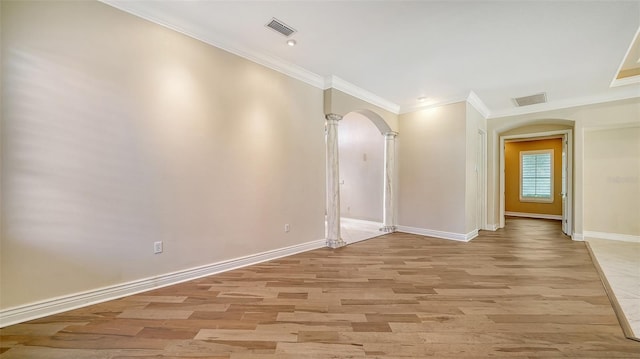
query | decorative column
[388, 213]
[333, 183]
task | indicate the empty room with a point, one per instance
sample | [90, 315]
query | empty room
[319, 179]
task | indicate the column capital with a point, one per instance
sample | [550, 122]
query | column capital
[333, 117]
[391, 134]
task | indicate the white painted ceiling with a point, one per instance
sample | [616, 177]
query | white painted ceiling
[402, 50]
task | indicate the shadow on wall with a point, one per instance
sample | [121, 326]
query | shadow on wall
[361, 151]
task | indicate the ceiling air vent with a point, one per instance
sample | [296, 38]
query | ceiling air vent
[531, 100]
[281, 27]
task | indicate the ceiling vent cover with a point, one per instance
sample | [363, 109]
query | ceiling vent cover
[281, 27]
[531, 100]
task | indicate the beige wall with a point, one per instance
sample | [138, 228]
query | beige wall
[512, 177]
[361, 151]
[338, 102]
[612, 180]
[117, 133]
[432, 179]
[581, 118]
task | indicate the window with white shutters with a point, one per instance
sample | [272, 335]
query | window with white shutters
[536, 176]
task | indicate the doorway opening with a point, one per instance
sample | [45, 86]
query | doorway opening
[563, 193]
[361, 168]
[362, 206]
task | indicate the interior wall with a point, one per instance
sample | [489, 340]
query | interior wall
[361, 152]
[612, 114]
[474, 122]
[117, 132]
[512, 177]
[612, 180]
[432, 168]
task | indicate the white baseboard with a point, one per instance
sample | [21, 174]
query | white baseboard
[577, 237]
[612, 236]
[439, 234]
[471, 235]
[362, 222]
[65, 303]
[492, 227]
[534, 215]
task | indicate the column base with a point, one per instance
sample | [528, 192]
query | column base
[388, 229]
[336, 243]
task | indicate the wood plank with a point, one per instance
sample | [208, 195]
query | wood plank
[522, 291]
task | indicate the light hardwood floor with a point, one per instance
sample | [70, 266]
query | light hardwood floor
[525, 291]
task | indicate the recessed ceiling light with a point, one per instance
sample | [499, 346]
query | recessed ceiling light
[422, 99]
[291, 42]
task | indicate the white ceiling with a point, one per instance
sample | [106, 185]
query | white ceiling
[392, 52]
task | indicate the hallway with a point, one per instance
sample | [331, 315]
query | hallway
[523, 291]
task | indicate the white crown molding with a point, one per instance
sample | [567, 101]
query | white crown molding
[52, 306]
[611, 236]
[472, 98]
[611, 126]
[318, 81]
[625, 81]
[439, 234]
[622, 94]
[420, 107]
[477, 103]
[271, 62]
[629, 80]
[358, 92]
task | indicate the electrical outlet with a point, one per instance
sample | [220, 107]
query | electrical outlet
[287, 228]
[157, 247]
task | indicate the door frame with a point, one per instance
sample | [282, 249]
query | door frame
[567, 137]
[481, 180]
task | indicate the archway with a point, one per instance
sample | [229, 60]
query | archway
[537, 129]
[334, 238]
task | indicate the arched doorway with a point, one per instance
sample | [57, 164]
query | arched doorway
[361, 161]
[533, 131]
[334, 180]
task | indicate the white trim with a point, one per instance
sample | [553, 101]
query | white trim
[362, 222]
[477, 103]
[471, 235]
[578, 237]
[534, 215]
[631, 80]
[612, 236]
[626, 80]
[610, 126]
[318, 81]
[65, 303]
[271, 62]
[428, 105]
[358, 92]
[439, 234]
[492, 227]
[622, 94]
